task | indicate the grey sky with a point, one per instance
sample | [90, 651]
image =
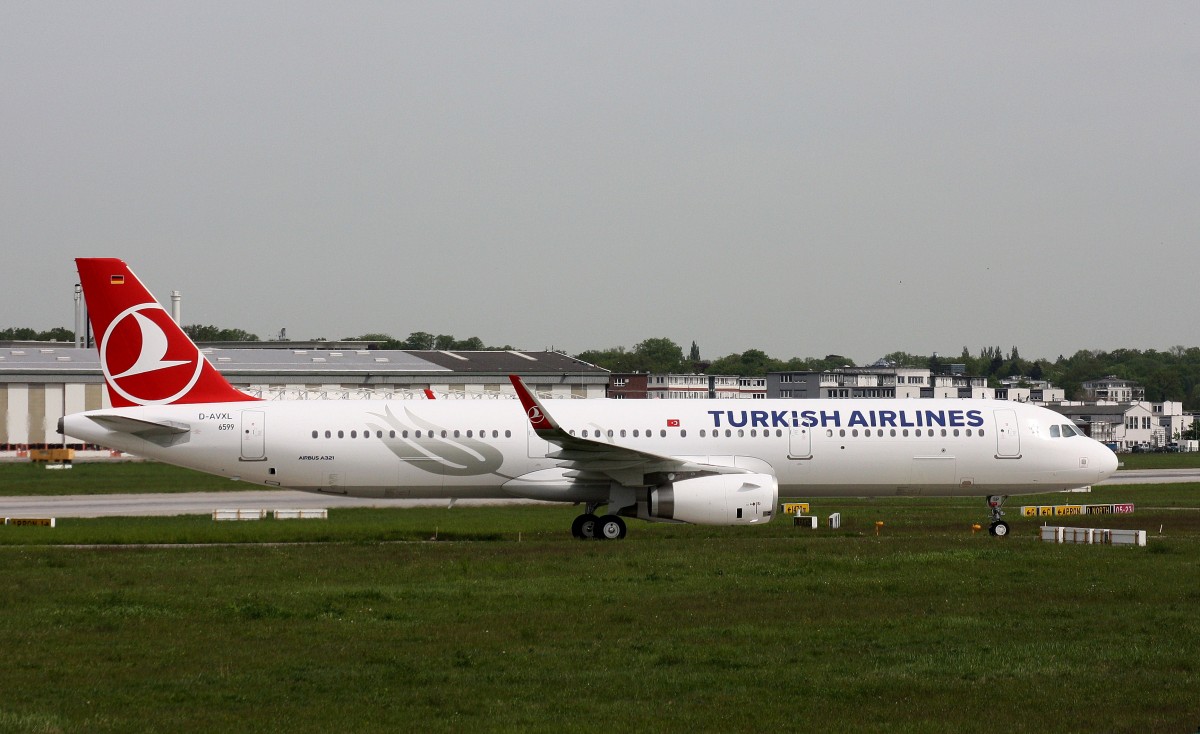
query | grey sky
[804, 178]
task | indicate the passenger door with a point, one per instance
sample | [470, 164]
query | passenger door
[1008, 437]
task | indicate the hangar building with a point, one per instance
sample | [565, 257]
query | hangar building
[40, 382]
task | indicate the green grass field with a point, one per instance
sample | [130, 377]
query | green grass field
[360, 623]
[27, 478]
[1189, 460]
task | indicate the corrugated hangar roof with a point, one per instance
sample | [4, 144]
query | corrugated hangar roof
[66, 359]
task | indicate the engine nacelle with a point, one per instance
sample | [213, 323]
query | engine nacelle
[720, 499]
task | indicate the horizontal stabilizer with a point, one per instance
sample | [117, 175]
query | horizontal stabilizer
[165, 433]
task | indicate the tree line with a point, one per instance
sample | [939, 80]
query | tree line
[57, 334]
[1166, 375]
[1171, 375]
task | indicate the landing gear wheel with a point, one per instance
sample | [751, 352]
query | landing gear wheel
[610, 527]
[584, 526]
[998, 528]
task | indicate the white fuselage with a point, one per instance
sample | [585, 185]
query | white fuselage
[460, 448]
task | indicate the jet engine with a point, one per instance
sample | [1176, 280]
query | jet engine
[720, 499]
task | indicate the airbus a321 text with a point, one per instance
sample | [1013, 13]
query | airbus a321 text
[693, 461]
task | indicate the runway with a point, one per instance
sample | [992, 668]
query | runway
[203, 503]
[1153, 476]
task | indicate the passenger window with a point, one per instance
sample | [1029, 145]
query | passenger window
[328, 434]
[353, 434]
[341, 434]
[683, 434]
[508, 434]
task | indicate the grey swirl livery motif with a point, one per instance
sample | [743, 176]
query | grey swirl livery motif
[454, 456]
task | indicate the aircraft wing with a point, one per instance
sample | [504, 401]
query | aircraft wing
[591, 459]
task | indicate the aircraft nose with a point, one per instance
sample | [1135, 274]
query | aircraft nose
[1106, 463]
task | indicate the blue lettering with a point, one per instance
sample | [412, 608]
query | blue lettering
[716, 414]
[734, 422]
[974, 418]
[758, 419]
[887, 418]
[857, 419]
[834, 418]
[904, 421]
[810, 418]
[956, 418]
[779, 418]
[933, 418]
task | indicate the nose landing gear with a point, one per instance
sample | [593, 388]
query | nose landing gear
[998, 528]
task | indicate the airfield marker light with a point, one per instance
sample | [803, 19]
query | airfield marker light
[878, 526]
[976, 528]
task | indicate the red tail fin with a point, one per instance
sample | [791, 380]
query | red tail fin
[145, 356]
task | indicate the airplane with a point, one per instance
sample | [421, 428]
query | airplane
[703, 462]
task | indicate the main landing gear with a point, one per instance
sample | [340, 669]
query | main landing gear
[998, 528]
[588, 526]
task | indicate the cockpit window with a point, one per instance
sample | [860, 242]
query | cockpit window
[1069, 431]
[1054, 432]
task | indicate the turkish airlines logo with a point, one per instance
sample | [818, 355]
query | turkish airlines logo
[133, 356]
[535, 414]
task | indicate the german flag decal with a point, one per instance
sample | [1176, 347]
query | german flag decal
[116, 280]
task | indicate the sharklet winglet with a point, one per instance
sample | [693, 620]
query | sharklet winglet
[538, 416]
